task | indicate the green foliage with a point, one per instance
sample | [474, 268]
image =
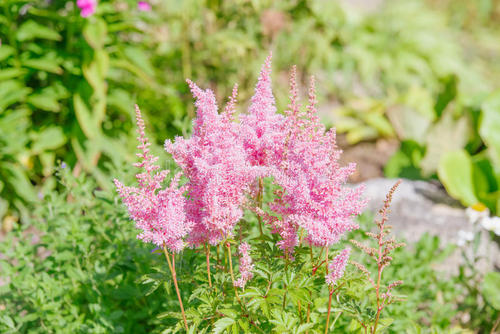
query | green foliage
[67, 89]
[77, 267]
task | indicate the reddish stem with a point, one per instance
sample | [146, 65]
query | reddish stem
[171, 265]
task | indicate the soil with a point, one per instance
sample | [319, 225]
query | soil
[370, 157]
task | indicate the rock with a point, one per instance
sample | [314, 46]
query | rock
[420, 207]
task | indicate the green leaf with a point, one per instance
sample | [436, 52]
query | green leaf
[6, 320]
[46, 64]
[489, 125]
[44, 102]
[19, 181]
[445, 136]
[30, 30]
[405, 162]
[447, 95]
[12, 92]
[138, 57]
[221, 324]
[95, 33]
[6, 51]
[455, 172]
[491, 289]
[10, 73]
[84, 117]
[49, 139]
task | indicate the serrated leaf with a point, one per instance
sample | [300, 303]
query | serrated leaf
[303, 328]
[222, 324]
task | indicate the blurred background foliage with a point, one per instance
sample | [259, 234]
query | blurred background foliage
[422, 72]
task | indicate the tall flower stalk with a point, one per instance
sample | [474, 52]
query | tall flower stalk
[159, 213]
[381, 255]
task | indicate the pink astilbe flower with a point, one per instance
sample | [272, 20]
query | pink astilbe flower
[262, 128]
[337, 266]
[144, 6]
[215, 163]
[87, 7]
[246, 265]
[303, 160]
[159, 213]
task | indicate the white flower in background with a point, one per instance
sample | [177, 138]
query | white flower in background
[464, 237]
[477, 212]
[491, 224]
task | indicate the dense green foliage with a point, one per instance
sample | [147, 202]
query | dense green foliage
[78, 268]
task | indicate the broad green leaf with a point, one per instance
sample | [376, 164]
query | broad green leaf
[222, 324]
[445, 136]
[455, 171]
[489, 127]
[409, 123]
[30, 30]
[491, 289]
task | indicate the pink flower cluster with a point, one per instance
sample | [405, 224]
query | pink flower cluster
[87, 7]
[337, 266]
[215, 164]
[303, 159]
[246, 265]
[159, 213]
[223, 160]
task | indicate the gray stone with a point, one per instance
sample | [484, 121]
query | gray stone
[420, 207]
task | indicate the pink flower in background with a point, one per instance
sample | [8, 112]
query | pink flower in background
[87, 7]
[159, 213]
[246, 265]
[144, 6]
[337, 266]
